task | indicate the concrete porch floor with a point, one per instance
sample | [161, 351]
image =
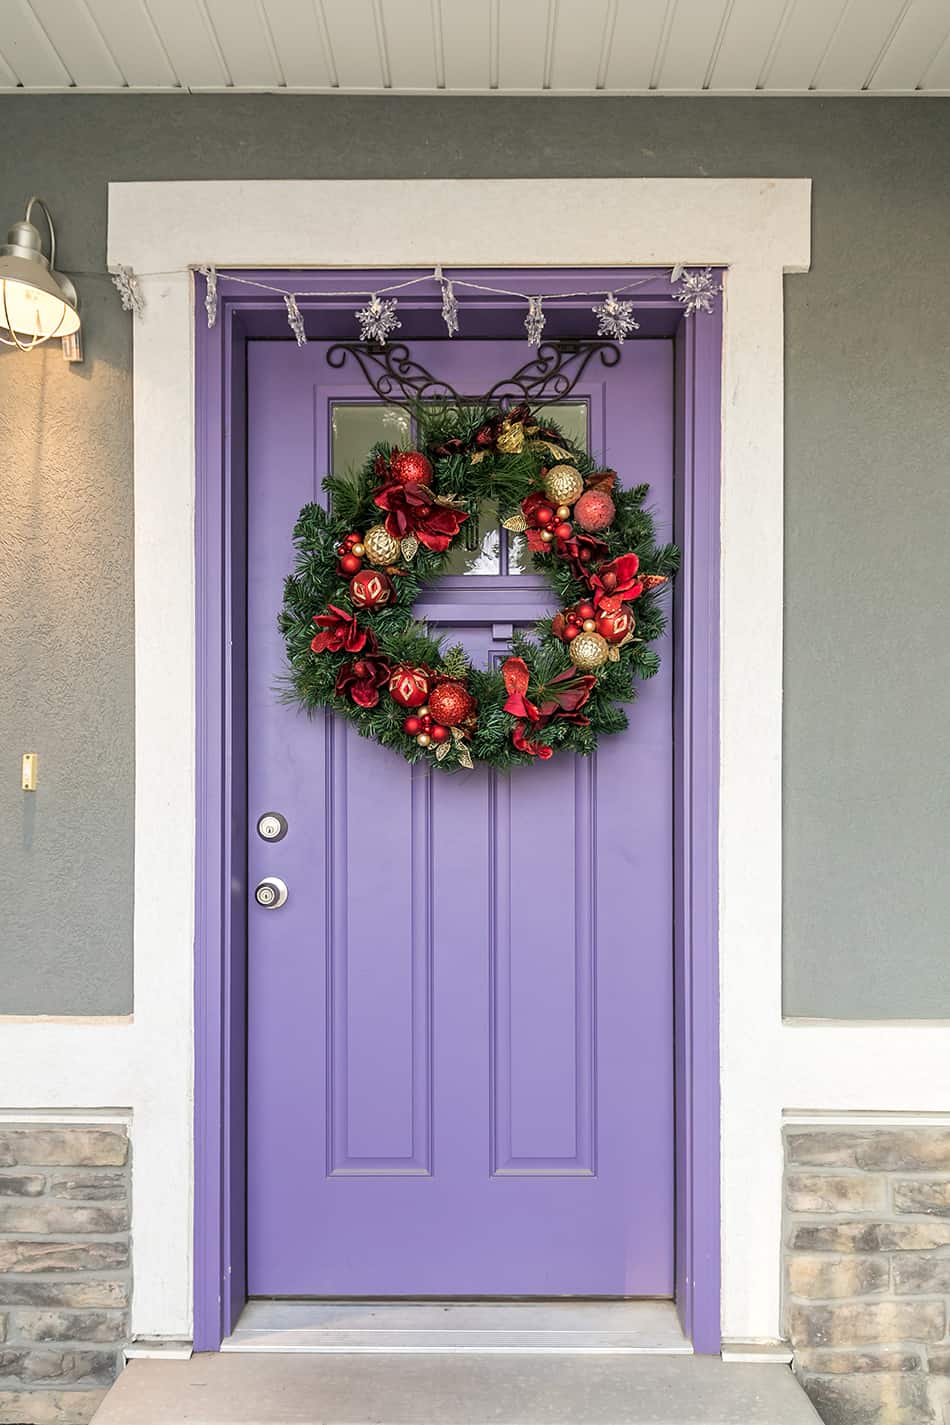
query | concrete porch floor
[511, 1389]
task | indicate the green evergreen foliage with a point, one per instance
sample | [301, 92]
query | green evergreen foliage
[471, 474]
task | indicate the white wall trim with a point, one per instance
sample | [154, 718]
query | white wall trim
[759, 230]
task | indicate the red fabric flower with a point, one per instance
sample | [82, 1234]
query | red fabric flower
[413, 510]
[565, 695]
[617, 580]
[582, 551]
[515, 673]
[340, 633]
[524, 744]
[362, 680]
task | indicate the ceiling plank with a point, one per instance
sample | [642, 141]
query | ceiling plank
[523, 27]
[134, 42]
[8, 79]
[75, 37]
[691, 47]
[245, 41]
[937, 76]
[28, 49]
[187, 36]
[466, 43]
[351, 25]
[807, 34]
[858, 43]
[913, 47]
[299, 44]
[638, 31]
[407, 25]
[578, 43]
[748, 38]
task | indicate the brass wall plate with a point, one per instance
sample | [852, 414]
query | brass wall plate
[29, 771]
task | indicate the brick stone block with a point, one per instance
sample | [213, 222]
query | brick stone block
[921, 1275]
[866, 1323]
[825, 1276]
[69, 1366]
[865, 1236]
[852, 1362]
[20, 1291]
[49, 1407]
[891, 1150]
[95, 1327]
[826, 1192]
[63, 1147]
[873, 1399]
[923, 1195]
[22, 1185]
[938, 1358]
[54, 1256]
[34, 1215]
[91, 1187]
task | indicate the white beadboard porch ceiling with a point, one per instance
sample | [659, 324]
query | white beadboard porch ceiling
[768, 47]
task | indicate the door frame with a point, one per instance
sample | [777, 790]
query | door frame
[221, 882]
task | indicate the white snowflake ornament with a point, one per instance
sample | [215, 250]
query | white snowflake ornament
[378, 318]
[534, 321]
[697, 290]
[615, 319]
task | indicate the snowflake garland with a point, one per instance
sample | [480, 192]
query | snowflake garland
[615, 319]
[450, 306]
[210, 276]
[697, 290]
[378, 318]
[534, 321]
[295, 320]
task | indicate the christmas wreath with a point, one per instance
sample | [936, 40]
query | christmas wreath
[355, 647]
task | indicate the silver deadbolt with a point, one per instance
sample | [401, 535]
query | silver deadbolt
[272, 826]
[270, 893]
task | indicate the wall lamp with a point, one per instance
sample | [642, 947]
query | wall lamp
[36, 301]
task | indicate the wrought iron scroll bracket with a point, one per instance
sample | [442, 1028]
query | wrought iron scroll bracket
[551, 375]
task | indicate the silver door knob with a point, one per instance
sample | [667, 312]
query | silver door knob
[270, 893]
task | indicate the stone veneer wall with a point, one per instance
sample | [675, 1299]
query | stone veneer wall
[867, 1271]
[65, 1278]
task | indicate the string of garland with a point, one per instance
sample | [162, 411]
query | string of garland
[354, 645]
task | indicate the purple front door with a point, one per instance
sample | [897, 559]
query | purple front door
[460, 1023]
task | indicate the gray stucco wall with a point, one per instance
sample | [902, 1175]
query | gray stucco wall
[867, 671]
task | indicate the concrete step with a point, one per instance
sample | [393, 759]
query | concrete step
[490, 1389]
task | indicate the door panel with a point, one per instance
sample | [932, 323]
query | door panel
[460, 1024]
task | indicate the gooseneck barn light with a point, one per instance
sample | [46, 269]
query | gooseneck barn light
[36, 301]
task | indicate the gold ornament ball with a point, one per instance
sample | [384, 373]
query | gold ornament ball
[423, 711]
[563, 484]
[563, 512]
[547, 536]
[379, 545]
[423, 739]
[359, 550]
[589, 625]
[589, 651]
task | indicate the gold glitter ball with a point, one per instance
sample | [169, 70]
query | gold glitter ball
[589, 651]
[380, 546]
[563, 484]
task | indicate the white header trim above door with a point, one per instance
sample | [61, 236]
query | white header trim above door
[758, 229]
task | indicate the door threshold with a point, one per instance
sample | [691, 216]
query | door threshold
[650, 1328]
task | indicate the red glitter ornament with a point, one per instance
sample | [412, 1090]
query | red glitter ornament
[409, 686]
[369, 589]
[410, 467]
[450, 703]
[594, 510]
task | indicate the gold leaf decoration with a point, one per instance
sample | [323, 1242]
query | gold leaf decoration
[557, 451]
[478, 457]
[465, 757]
[409, 546]
[516, 523]
[614, 654]
[442, 751]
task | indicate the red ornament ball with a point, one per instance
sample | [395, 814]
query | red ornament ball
[411, 726]
[594, 510]
[450, 703]
[410, 467]
[615, 624]
[409, 686]
[571, 630]
[349, 564]
[564, 530]
[585, 611]
[370, 589]
[544, 514]
[438, 733]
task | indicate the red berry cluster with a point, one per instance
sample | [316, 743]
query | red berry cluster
[351, 554]
[423, 728]
[579, 619]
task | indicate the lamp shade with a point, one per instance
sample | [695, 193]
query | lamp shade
[36, 303]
